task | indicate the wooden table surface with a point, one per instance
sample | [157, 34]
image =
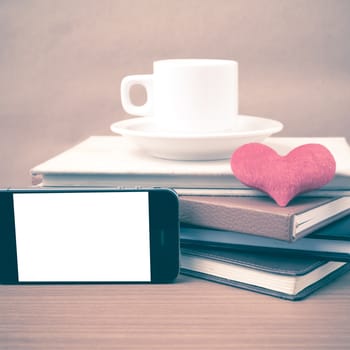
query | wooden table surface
[190, 314]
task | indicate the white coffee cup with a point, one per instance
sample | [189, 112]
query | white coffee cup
[187, 95]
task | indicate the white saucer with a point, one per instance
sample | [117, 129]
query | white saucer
[210, 146]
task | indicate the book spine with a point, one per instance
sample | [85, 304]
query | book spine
[236, 219]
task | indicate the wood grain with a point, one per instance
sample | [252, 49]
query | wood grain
[190, 314]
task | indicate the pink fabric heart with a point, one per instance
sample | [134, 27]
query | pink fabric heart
[303, 169]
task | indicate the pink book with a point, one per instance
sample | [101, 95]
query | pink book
[261, 215]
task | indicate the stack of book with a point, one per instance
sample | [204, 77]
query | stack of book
[230, 233]
[254, 244]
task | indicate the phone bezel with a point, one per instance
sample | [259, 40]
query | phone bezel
[163, 228]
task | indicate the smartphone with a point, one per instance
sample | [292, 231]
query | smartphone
[72, 235]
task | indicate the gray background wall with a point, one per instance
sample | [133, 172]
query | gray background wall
[61, 63]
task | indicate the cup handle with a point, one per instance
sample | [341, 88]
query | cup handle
[146, 80]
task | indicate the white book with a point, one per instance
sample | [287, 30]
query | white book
[114, 161]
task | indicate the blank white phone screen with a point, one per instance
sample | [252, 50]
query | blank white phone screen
[82, 237]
